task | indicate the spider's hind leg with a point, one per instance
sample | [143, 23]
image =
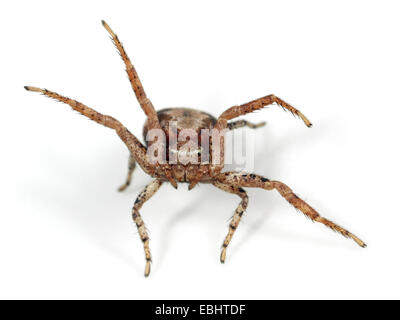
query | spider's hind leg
[131, 168]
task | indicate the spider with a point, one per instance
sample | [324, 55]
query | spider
[183, 172]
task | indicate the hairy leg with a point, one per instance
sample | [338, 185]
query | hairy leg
[136, 84]
[237, 215]
[237, 111]
[145, 195]
[256, 181]
[243, 123]
[145, 103]
[257, 104]
[136, 148]
[131, 168]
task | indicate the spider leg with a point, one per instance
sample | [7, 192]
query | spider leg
[131, 168]
[243, 123]
[256, 181]
[145, 103]
[138, 151]
[237, 111]
[145, 195]
[257, 104]
[136, 84]
[237, 215]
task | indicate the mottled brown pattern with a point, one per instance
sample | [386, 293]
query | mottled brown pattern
[185, 118]
[206, 171]
[256, 181]
[145, 102]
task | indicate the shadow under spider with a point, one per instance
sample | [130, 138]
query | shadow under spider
[92, 208]
[257, 207]
[271, 169]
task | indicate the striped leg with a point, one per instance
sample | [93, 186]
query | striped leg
[237, 215]
[243, 123]
[145, 195]
[256, 181]
[131, 168]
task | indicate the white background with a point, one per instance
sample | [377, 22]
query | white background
[65, 231]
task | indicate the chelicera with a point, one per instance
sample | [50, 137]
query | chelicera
[164, 170]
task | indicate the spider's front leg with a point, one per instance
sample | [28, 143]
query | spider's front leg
[258, 104]
[147, 106]
[237, 215]
[255, 181]
[237, 111]
[136, 148]
[145, 195]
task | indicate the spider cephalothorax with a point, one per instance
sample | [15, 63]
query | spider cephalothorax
[172, 158]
